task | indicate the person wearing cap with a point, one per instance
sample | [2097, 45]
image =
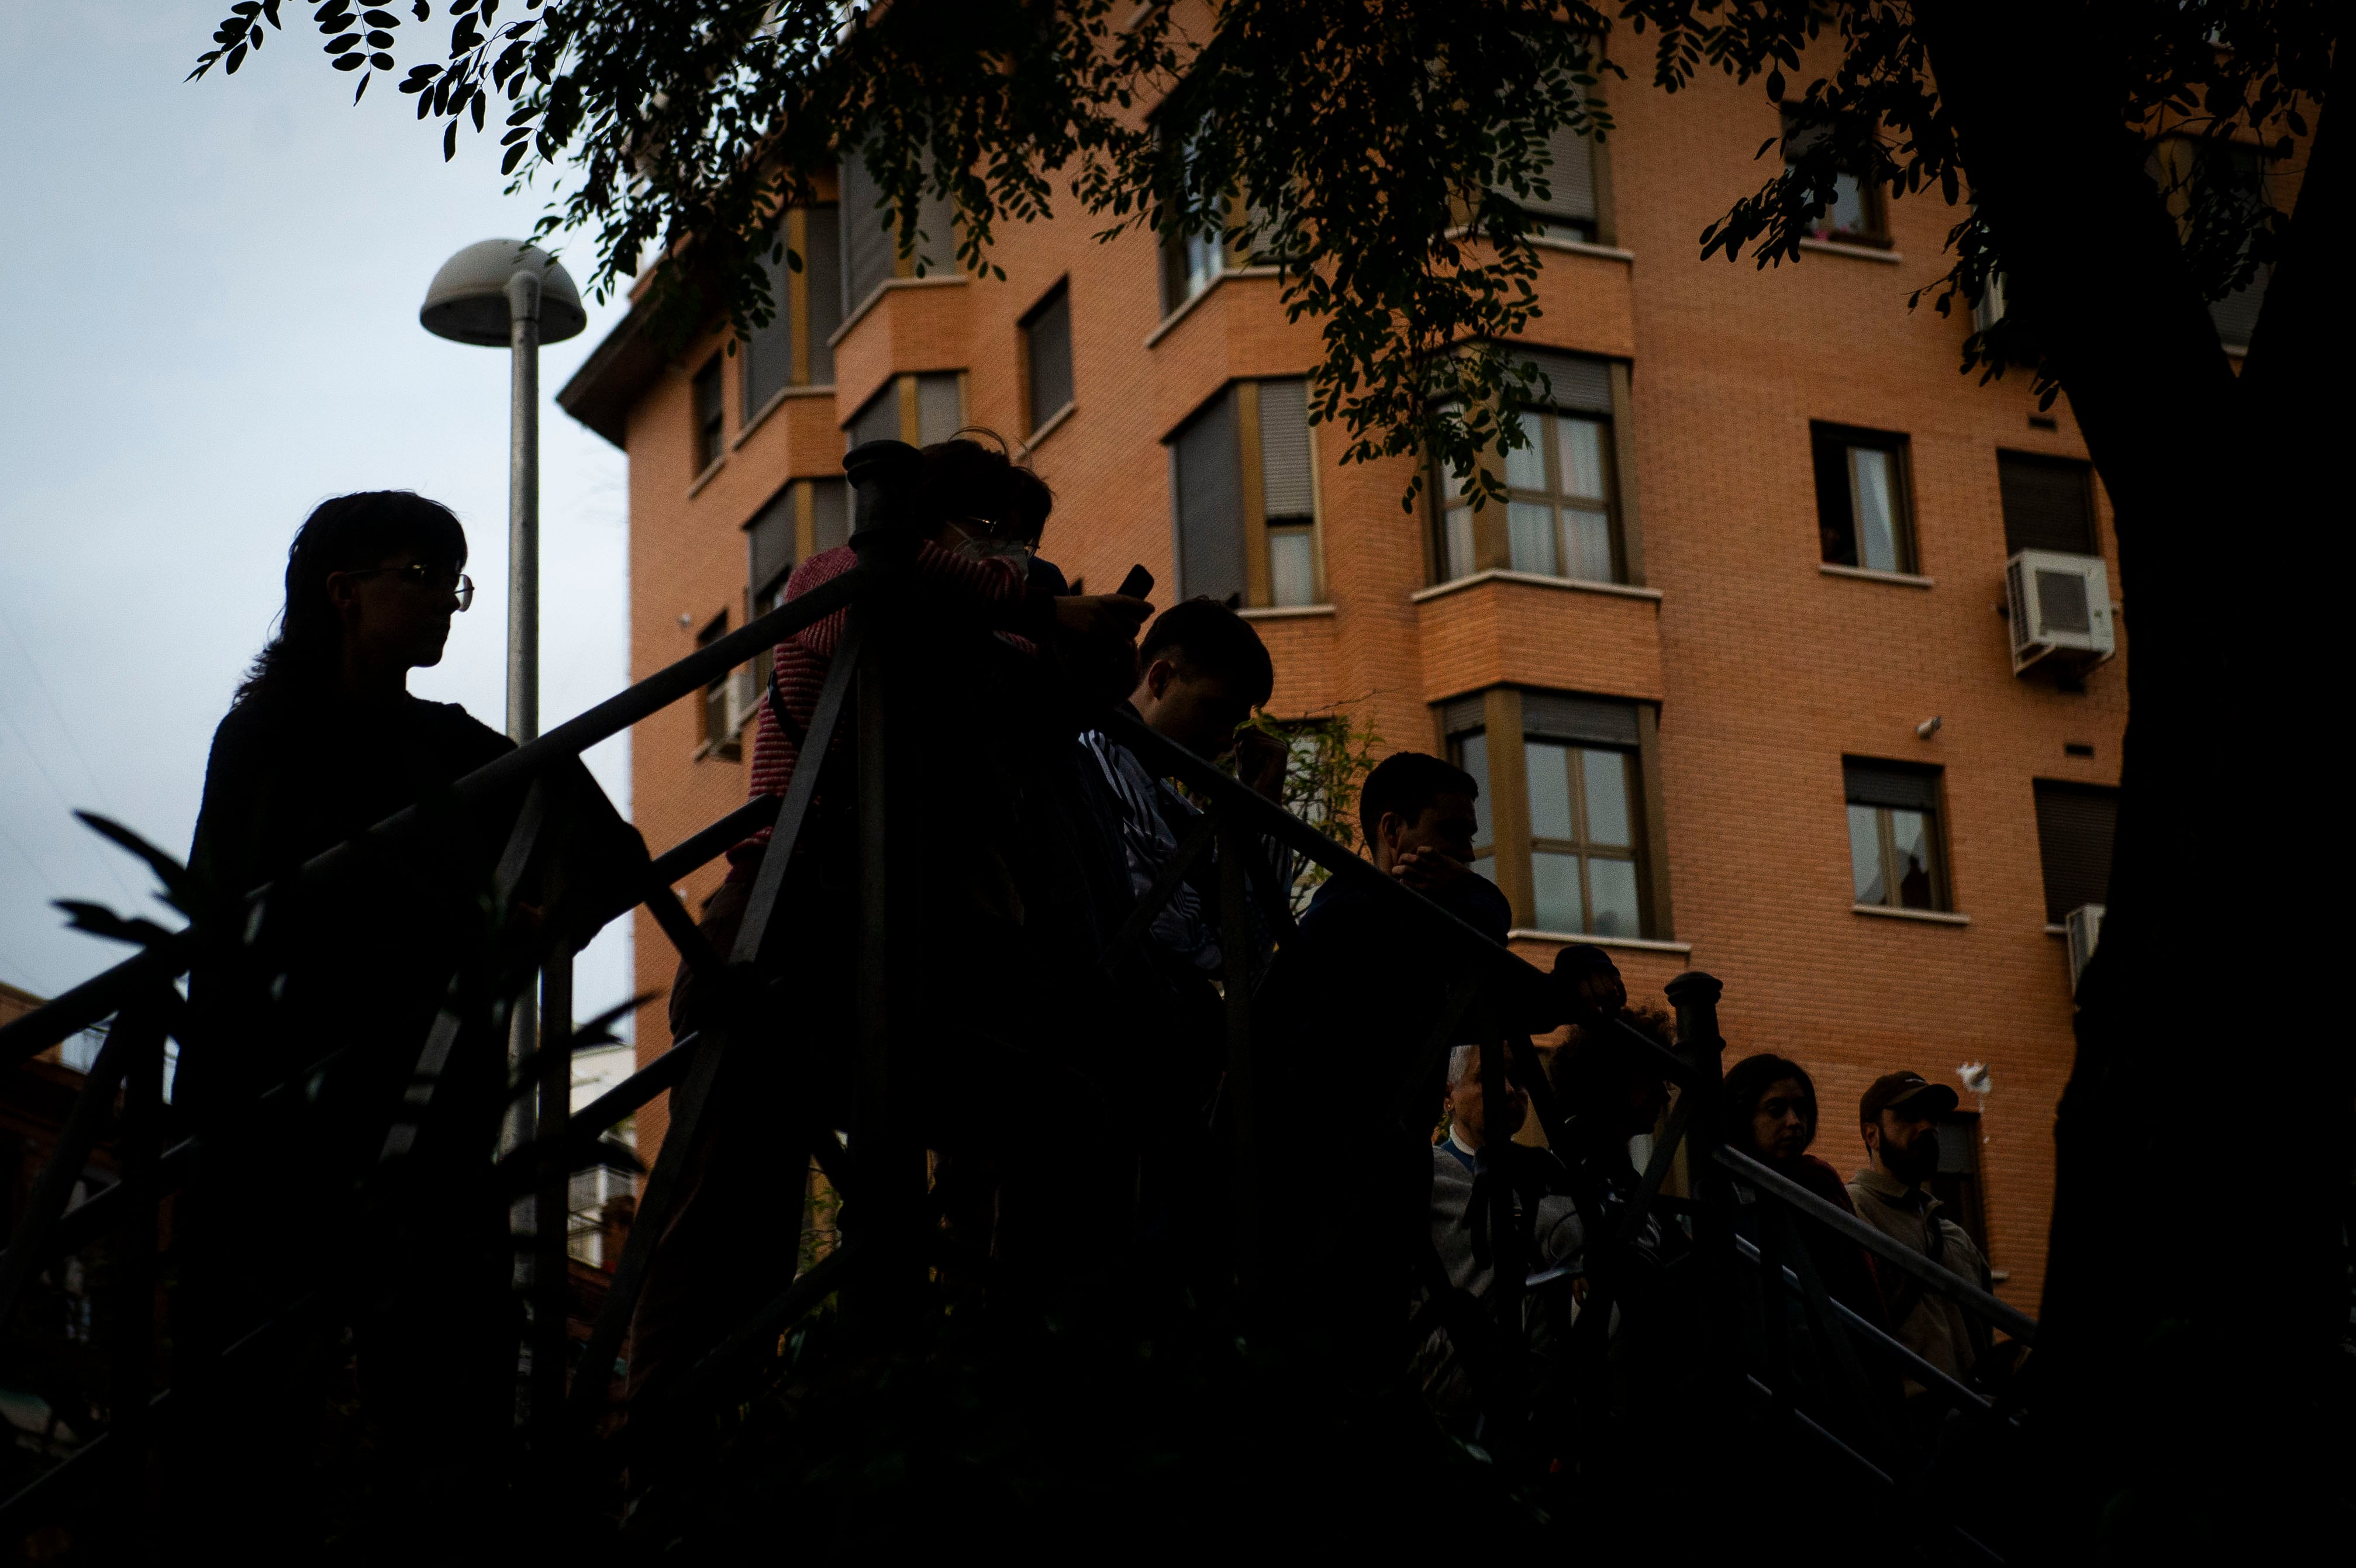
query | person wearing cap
[1899, 1119]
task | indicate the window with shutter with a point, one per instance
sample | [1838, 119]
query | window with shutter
[771, 541]
[1047, 355]
[1206, 473]
[709, 414]
[822, 289]
[2049, 502]
[1568, 209]
[918, 410]
[1561, 518]
[1560, 826]
[1895, 858]
[1288, 493]
[1863, 514]
[870, 238]
[768, 351]
[2075, 826]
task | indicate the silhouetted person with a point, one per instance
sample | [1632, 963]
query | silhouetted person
[1771, 1115]
[323, 741]
[983, 695]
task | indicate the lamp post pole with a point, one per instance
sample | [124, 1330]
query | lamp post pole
[523, 611]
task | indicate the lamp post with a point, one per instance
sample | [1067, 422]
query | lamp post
[507, 293]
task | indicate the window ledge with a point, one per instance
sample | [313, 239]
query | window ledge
[938, 280]
[1283, 611]
[1171, 321]
[1860, 252]
[1930, 916]
[1054, 422]
[1634, 944]
[705, 478]
[1574, 585]
[1868, 574]
[1582, 247]
[782, 394]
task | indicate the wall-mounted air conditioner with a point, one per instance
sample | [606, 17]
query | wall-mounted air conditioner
[745, 690]
[2084, 926]
[2061, 608]
[1989, 308]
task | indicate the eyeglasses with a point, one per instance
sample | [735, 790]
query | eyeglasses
[417, 574]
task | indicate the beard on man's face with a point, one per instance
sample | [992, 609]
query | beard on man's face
[1916, 1162]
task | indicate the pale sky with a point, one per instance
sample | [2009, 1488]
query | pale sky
[211, 291]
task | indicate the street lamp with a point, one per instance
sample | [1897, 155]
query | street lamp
[507, 293]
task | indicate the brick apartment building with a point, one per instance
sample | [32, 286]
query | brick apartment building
[1761, 542]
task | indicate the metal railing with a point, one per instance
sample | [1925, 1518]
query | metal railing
[882, 1169]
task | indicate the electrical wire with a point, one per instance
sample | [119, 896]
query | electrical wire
[58, 713]
[49, 779]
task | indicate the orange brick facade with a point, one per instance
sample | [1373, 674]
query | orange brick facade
[1763, 668]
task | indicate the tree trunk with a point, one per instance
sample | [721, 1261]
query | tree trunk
[2196, 1288]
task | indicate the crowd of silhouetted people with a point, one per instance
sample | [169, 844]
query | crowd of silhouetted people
[1072, 1066]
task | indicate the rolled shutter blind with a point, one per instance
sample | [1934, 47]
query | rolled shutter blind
[1210, 504]
[830, 513]
[1582, 718]
[2075, 826]
[2048, 504]
[822, 265]
[1892, 784]
[1285, 486]
[1464, 715]
[1577, 383]
[877, 419]
[769, 540]
[940, 410]
[868, 242]
[1570, 178]
[769, 351]
[937, 218]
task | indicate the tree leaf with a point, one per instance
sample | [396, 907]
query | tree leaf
[236, 58]
[339, 45]
[100, 921]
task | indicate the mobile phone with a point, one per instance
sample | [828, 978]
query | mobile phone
[1138, 584]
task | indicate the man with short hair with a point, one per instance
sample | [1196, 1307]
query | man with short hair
[1899, 1120]
[1479, 1148]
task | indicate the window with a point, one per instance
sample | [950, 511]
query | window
[791, 350]
[2226, 182]
[1956, 1183]
[1568, 210]
[1561, 823]
[1862, 515]
[1893, 835]
[871, 253]
[2075, 824]
[1854, 215]
[1047, 355]
[1561, 519]
[707, 416]
[1243, 486]
[718, 734]
[2049, 502]
[805, 518]
[918, 410]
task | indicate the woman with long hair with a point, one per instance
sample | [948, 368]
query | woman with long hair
[328, 990]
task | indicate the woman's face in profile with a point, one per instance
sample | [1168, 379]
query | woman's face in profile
[398, 612]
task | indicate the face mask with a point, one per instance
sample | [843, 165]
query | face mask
[1018, 554]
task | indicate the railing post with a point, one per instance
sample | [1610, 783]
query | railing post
[1247, 1139]
[551, 1205]
[1694, 995]
[131, 1349]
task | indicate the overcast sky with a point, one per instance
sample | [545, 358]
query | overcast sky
[211, 291]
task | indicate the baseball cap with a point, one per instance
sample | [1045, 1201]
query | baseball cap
[1911, 1090]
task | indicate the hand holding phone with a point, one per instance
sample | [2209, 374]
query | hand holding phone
[1138, 584]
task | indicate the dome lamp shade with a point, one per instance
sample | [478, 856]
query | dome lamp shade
[467, 300]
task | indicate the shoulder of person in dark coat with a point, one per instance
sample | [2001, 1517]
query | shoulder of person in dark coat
[456, 735]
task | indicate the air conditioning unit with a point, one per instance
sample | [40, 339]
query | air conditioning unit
[1989, 308]
[745, 691]
[2061, 607]
[2085, 927]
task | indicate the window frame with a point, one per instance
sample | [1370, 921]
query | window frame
[2083, 470]
[1490, 534]
[1242, 405]
[1510, 843]
[1832, 454]
[801, 309]
[1929, 798]
[1872, 200]
[710, 427]
[1058, 293]
[717, 738]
